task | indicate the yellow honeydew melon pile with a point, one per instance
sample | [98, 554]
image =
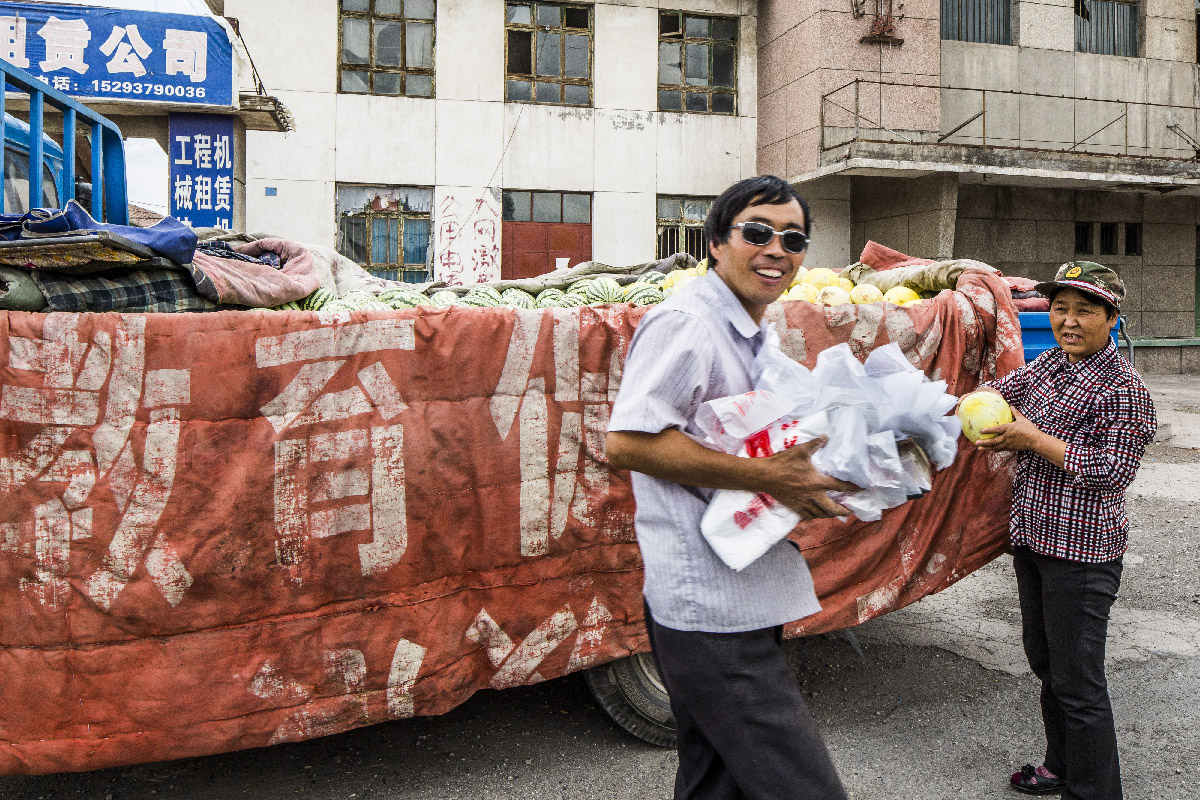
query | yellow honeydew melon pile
[824, 286]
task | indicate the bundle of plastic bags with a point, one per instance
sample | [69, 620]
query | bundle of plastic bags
[887, 429]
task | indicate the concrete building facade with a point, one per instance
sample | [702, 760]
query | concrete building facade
[1047, 137]
[475, 157]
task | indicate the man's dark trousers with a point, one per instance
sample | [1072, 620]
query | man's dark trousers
[1064, 619]
[744, 731]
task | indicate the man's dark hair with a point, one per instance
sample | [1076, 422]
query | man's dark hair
[761, 190]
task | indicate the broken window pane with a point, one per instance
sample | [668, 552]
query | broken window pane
[388, 7]
[695, 210]
[696, 27]
[723, 103]
[420, 85]
[516, 206]
[668, 23]
[518, 14]
[577, 208]
[549, 92]
[575, 17]
[549, 53]
[548, 14]
[577, 56]
[724, 56]
[576, 95]
[353, 237]
[356, 41]
[389, 39]
[519, 90]
[668, 208]
[355, 82]
[520, 52]
[355, 5]
[697, 101]
[547, 207]
[388, 83]
[418, 9]
[725, 29]
[697, 64]
[418, 48]
[670, 101]
[669, 63]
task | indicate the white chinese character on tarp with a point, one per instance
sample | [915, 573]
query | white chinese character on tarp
[339, 458]
[62, 83]
[222, 153]
[66, 41]
[202, 146]
[183, 191]
[90, 395]
[223, 187]
[127, 53]
[187, 54]
[12, 41]
[204, 192]
[183, 146]
[517, 664]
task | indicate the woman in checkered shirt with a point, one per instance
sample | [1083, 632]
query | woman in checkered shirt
[1083, 419]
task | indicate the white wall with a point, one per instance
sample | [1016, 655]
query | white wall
[623, 150]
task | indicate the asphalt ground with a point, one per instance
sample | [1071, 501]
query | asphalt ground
[930, 702]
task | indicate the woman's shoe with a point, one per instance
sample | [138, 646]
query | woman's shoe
[1037, 780]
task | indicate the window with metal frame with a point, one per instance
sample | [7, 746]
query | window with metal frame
[1109, 28]
[681, 226]
[386, 47]
[697, 63]
[386, 229]
[1108, 238]
[520, 206]
[548, 53]
[984, 21]
[1133, 238]
[1083, 238]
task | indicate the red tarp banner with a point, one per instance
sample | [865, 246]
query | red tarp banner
[232, 529]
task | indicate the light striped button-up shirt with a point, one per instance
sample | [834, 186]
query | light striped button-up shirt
[697, 346]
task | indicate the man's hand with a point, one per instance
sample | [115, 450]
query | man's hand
[796, 483]
[1021, 434]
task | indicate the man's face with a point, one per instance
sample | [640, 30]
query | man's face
[758, 275]
[1080, 324]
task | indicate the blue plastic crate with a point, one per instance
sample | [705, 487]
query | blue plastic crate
[1037, 337]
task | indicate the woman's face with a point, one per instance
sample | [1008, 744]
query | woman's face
[1081, 324]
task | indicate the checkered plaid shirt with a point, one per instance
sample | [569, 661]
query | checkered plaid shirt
[1102, 410]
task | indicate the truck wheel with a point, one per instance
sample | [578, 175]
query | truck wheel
[631, 691]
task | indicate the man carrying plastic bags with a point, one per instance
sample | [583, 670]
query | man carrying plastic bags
[743, 728]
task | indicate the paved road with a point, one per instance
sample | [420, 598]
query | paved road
[939, 704]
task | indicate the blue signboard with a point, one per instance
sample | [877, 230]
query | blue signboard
[201, 169]
[112, 53]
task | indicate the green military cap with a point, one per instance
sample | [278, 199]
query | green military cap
[1090, 278]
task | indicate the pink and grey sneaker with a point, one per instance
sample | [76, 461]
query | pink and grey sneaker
[1037, 780]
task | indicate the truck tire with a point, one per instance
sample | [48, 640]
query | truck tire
[632, 693]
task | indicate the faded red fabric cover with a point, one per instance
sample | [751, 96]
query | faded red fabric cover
[225, 530]
[245, 283]
[880, 257]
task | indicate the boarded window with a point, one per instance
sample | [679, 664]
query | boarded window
[386, 47]
[1110, 28]
[986, 21]
[548, 56]
[697, 63]
[386, 229]
[681, 225]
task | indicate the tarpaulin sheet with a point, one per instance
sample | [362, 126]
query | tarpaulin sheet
[226, 530]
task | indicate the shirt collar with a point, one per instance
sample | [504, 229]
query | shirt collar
[728, 304]
[1091, 368]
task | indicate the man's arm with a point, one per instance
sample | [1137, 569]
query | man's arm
[788, 476]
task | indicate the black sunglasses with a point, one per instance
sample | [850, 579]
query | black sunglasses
[759, 234]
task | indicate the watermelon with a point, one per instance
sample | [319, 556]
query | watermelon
[579, 287]
[317, 300]
[605, 290]
[570, 300]
[444, 298]
[653, 276]
[403, 298]
[546, 297]
[289, 306]
[644, 295]
[517, 299]
[482, 297]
